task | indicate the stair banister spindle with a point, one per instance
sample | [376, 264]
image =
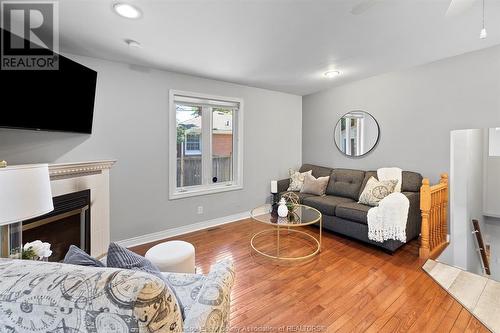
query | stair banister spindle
[434, 206]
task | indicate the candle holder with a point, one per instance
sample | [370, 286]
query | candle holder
[274, 203]
[274, 199]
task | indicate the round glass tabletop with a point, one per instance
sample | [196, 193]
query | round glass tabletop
[300, 215]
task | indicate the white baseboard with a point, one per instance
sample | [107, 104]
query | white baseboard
[155, 236]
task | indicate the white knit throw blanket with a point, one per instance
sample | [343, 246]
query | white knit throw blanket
[388, 220]
[391, 174]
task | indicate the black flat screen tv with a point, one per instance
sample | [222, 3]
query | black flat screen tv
[48, 100]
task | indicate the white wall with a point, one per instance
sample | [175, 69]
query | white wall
[469, 168]
[474, 192]
[494, 141]
[131, 125]
[491, 200]
[457, 255]
[492, 174]
[466, 188]
[493, 238]
[416, 110]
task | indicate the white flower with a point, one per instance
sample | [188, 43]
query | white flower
[41, 249]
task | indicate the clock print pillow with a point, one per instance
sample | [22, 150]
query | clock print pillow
[53, 297]
[376, 190]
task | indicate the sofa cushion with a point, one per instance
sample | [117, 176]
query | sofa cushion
[345, 183]
[211, 308]
[326, 204]
[121, 257]
[412, 181]
[76, 256]
[316, 186]
[353, 211]
[186, 286]
[283, 185]
[317, 171]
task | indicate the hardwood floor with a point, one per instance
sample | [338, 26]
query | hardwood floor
[349, 287]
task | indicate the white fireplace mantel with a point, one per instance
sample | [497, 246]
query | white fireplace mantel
[73, 177]
[78, 169]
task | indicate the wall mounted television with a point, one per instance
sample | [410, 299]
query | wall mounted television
[48, 100]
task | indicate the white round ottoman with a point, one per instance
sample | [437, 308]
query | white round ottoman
[173, 256]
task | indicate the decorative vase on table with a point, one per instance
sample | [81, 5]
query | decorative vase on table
[282, 208]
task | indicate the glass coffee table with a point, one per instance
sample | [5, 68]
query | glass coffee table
[300, 216]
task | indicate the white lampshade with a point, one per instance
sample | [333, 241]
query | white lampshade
[24, 193]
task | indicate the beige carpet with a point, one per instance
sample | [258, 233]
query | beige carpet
[480, 295]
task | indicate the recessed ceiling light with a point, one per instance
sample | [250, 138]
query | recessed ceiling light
[331, 74]
[133, 43]
[127, 10]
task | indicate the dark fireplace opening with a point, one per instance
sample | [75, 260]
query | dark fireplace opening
[68, 224]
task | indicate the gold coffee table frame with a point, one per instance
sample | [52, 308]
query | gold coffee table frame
[262, 214]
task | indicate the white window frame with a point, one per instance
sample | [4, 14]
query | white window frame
[206, 187]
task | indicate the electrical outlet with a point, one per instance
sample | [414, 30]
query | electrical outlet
[200, 209]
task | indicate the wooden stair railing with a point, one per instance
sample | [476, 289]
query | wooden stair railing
[434, 207]
[483, 253]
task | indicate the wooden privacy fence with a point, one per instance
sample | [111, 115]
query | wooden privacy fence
[222, 168]
[434, 207]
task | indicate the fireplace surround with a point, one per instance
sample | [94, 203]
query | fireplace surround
[66, 178]
[68, 224]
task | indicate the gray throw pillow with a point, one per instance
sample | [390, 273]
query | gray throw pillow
[76, 256]
[376, 190]
[121, 257]
[316, 186]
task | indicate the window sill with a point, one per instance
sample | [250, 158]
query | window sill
[204, 191]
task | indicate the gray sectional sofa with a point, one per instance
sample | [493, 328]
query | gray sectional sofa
[340, 208]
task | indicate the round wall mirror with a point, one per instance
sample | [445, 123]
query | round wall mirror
[356, 133]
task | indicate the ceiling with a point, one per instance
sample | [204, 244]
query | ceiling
[284, 45]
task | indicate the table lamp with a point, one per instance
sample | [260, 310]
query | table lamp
[24, 194]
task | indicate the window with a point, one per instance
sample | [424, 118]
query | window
[193, 144]
[205, 144]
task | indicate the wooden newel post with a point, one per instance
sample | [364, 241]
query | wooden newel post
[425, 207]
[444, 178]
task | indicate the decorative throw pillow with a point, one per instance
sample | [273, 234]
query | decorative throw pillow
[297, 179]
[376, 190]
[316, 186]
[76, 256]
[54, 297]
[121, 257]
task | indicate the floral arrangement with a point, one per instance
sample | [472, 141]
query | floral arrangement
[36, 250]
